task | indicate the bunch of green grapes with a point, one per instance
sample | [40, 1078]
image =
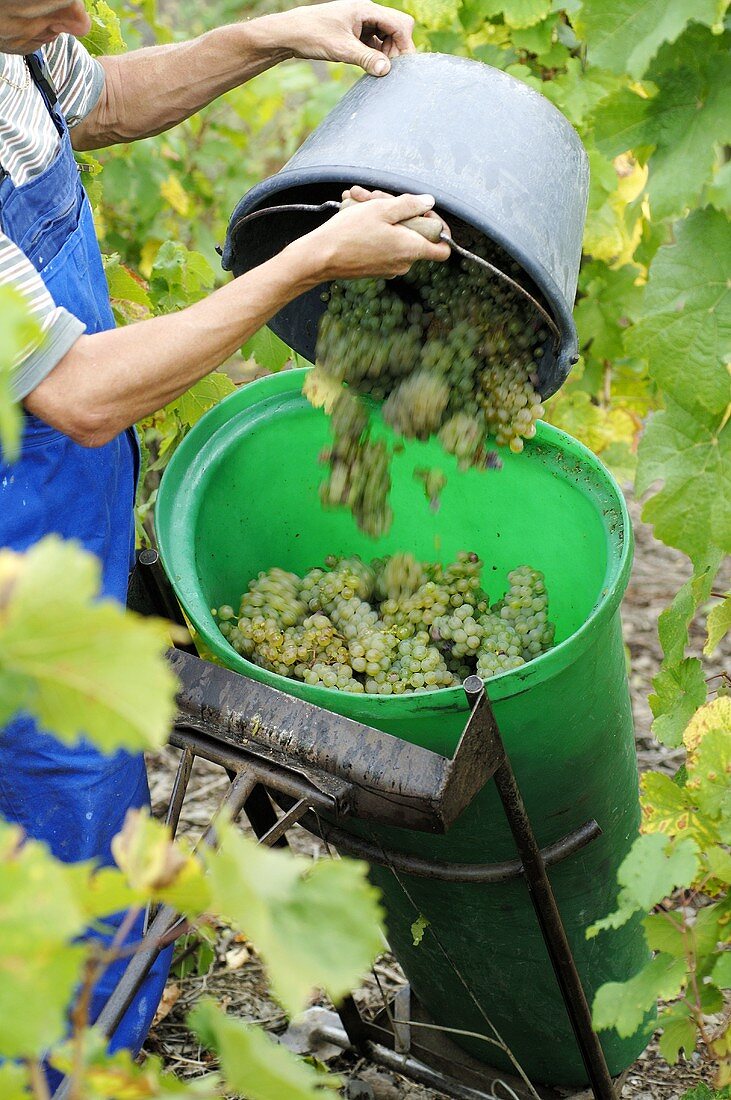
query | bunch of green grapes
[390, 626]
[450, 349]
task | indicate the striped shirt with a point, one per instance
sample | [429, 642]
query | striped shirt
[28, 143]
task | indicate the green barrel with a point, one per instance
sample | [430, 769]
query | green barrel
[240, 495]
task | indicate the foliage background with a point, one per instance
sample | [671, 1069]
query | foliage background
[646, 85]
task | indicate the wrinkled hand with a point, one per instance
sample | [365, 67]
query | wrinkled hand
[354, 31]
[365, 240]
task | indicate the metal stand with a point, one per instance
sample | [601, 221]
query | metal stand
[322, 769]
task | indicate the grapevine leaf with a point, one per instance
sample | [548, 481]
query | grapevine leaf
[715, 715]
[578, 91]
[14, 1083]
[665, 805]
[624, 35]
[719, 624]
[254, 1064]
[718, 862]
[80, 666]
[266, 349]
[19, 331]
[682, 122]
[679, 690]
[708, 778]
[153, 864]
[116, 1076]
[418, 928]
[292, 911]
[124, 284]
[609, 301]
[105, 35]
[718, 191]
[666, 932]
[722, 971]
[37, 907]
[686, 325]
[678, 1033]
[179, 277]
[674, 621]
[654, 867]
[201, 397]
[517, 13]
[625, 1005]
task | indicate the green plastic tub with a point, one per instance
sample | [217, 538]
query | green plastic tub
[240, 495]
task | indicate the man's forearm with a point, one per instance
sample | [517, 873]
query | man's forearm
[111, 380]
[151, 90]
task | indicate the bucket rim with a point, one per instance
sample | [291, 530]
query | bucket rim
[446, 201]
[186, 585]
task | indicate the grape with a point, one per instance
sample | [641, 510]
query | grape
[389, 626]
[450, 349]
[433, 481]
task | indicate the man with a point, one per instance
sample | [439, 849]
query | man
[86, 384]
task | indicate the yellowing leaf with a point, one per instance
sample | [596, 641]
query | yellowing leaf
[715, 715]
[158, 867]
[321, 390]
[83, 667]
[174, 193]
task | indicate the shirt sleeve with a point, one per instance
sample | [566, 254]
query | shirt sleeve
[60, 329]
[77, 77]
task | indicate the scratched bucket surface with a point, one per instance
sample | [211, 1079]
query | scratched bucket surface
[240, 495]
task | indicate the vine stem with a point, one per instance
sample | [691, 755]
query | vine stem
[38, 1081]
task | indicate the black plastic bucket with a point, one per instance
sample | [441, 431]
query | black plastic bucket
[495, 154]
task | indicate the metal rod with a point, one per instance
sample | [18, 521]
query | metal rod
[549, 920]
[401, 1063]
[180, 787]
[407, 864]
[285, 822]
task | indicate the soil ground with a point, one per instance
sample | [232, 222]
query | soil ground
[235, 976]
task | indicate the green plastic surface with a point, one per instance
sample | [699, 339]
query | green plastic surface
[240, 495]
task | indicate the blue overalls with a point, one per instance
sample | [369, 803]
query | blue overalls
[75, 799]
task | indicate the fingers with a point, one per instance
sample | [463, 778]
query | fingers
[362, 194]
[387, 22]
[402, 207]
[371, 61]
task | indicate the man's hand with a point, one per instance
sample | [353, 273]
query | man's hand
[366, 240]
[354, 31]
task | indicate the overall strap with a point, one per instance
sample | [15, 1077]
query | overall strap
[42, 78]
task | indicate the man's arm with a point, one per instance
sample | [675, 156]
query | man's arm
[151, 90]
[110, 380]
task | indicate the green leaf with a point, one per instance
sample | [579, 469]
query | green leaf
[654, 867]
[722, 971]
[624, 35]
[679, 690]
[37, 909]
[418, 928]
[609, 301]
[83, 667]
[678, 1033]
[432, 14]
[624, 1006]
[124, 284]
[159, 868]
[105, 36]
[718, 191]
[255, 1065]
[719, 624]
[19, 331]
[267, 350]
[683, 122]
[201, 397]
[579, 90]
[179, 277]
[518, 13]
[293, 912]
[14, 1084]
[105, 1076]
[672, 626]
[666, 932]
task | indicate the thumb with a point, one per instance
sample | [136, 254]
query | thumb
[371, 61]
[402, 207]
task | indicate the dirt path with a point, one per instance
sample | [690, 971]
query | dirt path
[235, 976]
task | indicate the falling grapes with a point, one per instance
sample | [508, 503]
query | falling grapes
[450, 350]
[390, 626]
